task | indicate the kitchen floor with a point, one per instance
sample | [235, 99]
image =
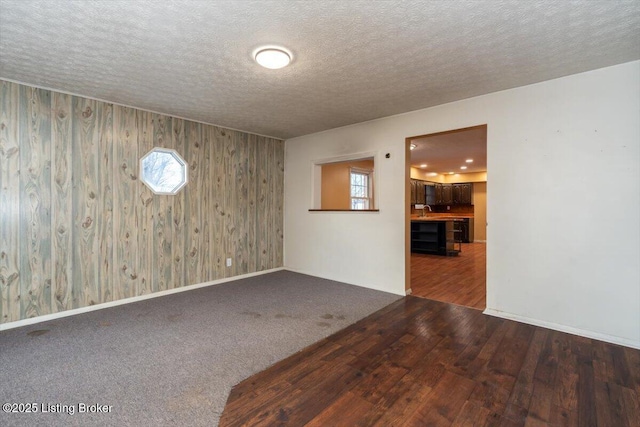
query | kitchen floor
[460, 280]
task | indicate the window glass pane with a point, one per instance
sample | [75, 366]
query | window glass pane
[163, 171]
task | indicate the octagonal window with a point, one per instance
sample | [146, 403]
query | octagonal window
[163, 171]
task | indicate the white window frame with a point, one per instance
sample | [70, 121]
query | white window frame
[369, 188]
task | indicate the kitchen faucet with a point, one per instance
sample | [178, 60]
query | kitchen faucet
[423, 206]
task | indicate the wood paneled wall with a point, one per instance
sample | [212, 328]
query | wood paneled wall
[77, 226]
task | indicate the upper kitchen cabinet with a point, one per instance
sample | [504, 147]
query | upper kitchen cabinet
[462, 193]
[413, 191]
[418, 191]
[430, 193]
[420, 196]
[444, 194]
[453, 194]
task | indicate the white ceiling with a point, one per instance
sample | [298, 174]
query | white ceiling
[353, 60]
[446, 152]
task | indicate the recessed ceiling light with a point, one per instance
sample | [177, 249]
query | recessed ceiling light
[433, 174]
[424, 165]
[450, 173]
[412, 146]
[463, 167]
[273, 57]
[469, 160]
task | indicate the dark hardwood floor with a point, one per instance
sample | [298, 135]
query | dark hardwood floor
[460, 280]
[419, 363]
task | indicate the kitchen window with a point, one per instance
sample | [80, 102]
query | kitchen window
[360, 189]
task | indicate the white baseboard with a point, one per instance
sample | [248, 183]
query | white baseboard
[73, 312]
[563, 328]
[322, 276]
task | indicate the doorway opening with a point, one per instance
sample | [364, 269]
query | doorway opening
[445, 219]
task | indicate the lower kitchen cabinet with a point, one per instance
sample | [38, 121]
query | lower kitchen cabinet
[433, 237]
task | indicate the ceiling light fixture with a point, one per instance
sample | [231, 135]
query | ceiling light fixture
[463, 167]
[424, 165]
[412, 147]
[469, 160]
[433, 174]
[273, 57]
[450, 173]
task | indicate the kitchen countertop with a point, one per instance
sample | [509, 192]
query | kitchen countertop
[441, 217]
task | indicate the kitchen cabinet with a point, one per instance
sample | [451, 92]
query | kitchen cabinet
[418, 191]
[444, 194]
[420, 186]
[413, 191]
[453, 194]
[433, 237]
[430, 194]
[462, 193]
[447, 194]
[465, 225]
[424, 192]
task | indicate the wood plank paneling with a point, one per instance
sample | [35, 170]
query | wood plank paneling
[145, 210]
[125, 177]
[162, 214]
[10, 245]
[252, 202]
[277, 206]
[177, 224]
[230, 241]
[78, 227]
[263, 223]
[215, 203]
[35, 201]
[105, 195]
[241, 253]
[86, 204]
[194, 214]
[62, 217]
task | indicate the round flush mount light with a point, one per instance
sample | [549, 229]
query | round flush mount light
[424, 165]
[272, 57]
[412, 147]
[463, 167]
[469, 160]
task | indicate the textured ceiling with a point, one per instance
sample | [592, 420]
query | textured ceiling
[446, 152]
[353, 60]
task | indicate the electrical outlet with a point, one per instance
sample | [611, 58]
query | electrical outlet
[228, 262]
[448, 207]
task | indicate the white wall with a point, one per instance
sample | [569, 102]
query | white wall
[563, 245]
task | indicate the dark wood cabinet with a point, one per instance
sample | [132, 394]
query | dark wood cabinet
[433, 237]
[420, 198]
[413, 191]
[418, 191]
[437, 194]
[462, 193]
[444, 194]
[430, 194]
[428, 237]
[424, 192]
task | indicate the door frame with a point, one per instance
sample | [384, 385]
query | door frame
[407, 198]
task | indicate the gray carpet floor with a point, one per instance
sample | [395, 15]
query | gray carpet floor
[170, 360]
